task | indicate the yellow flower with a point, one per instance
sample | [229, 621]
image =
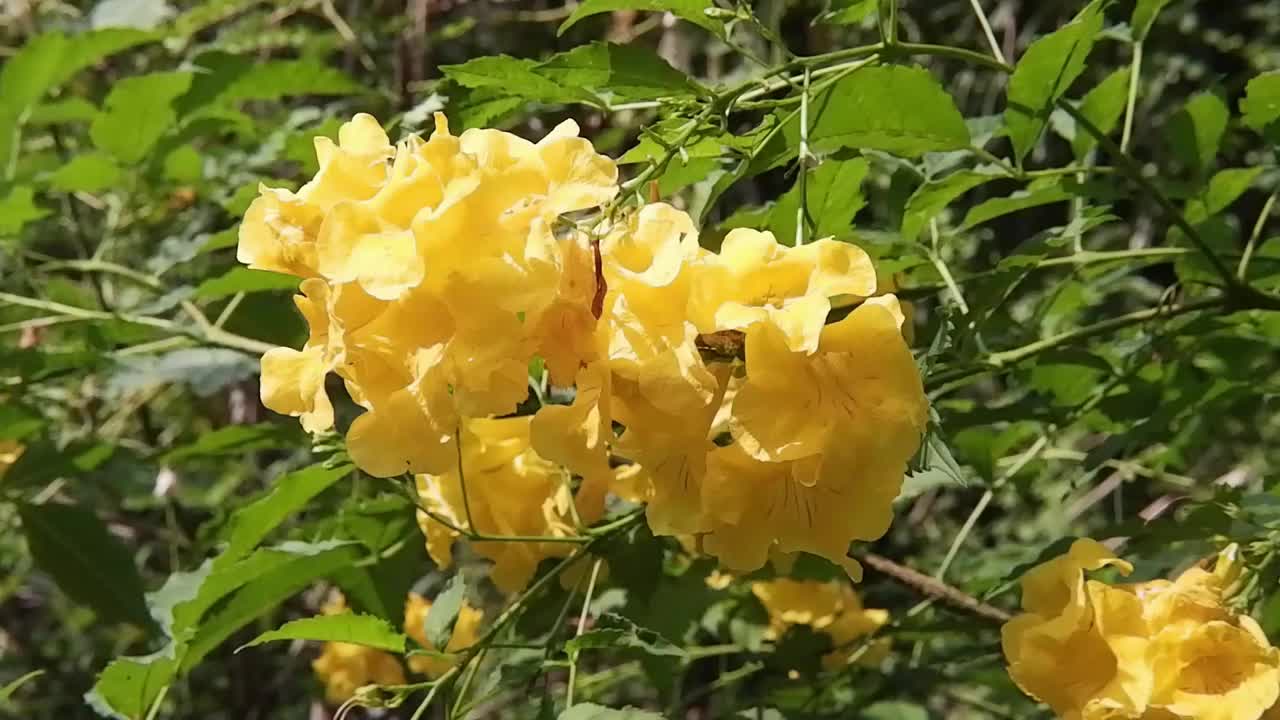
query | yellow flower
[465, 634]
[754, 280]
[822, 442]
[344, 668]
[833, 608]
[510, 491]
[10, 451]
[1157, 650]
[860, 388]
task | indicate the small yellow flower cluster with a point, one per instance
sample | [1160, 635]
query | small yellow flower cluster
[833, 608]
[344, 668]
[10, 452]
[1155, 650]
[435, 271]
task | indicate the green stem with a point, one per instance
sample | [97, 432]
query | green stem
[986, 30]
[1242, 270]
[582, 625]
[1135, 69]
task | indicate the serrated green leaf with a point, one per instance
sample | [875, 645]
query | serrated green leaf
[1103, 106]
[17, 209]
[485, 107]
[612, 631]
[128, 686]
[1034, 196]
[591, 711]
[138, 111]
[242, 279]
[224, 80]
[1261, 105]
[692, 10]
[89, 563]
[1144, 16]
[264, 594]
[288, 495]
[518, 77]
[90, 172]
[930, 198]
[444, 612]
[899, 109]
[833, 196]
[1196, 131]
[346, 627]
[1045, 71]
[628, 72]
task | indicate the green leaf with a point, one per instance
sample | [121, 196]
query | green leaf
[894, 710]
[628, 72]
[833, 195]
[204, 370]
[235, 440]
[895, 108]
[1044, 73]
[1225, 187]
[8, 690]
[518, 77]
[138, 112]
[44, 63]
[1144, 16]
[242, 279]
[288, 495]
[224, 79]
[17, 209]
[692, 10]
[346, 627]
[257, 598]
[444, 612]
[1261, 105]
[89, 564]
[1103, 106]
[591, 711]
[612, 631]
[128, 686]
[1035, 195]
[1070, 376]
[90, 172]
[67, 110]
[1195, 132]
[930, 198]
[847, 12]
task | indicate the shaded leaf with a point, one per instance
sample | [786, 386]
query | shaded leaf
[89, 564]
[444, 612]
[833, 196]
[1144, 16]
[345, 627]
[630, 72]
[612, 631]
[205, 370]
[1034, 196]
[930, 198]
[1103, 106]
[13, 686]
[235, 440]
[17, 209]
[1045, 71]
[1196, 131]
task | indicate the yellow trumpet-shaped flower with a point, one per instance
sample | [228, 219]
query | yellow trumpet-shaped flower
[755, 280]
[832, 608]
[1157, 650]
[510, 491]
[465, 633]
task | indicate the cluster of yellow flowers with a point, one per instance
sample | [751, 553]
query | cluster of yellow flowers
[435, 271]
[344, 668]
[832, 608]
[1155, 650]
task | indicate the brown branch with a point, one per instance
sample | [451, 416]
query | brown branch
[933, 587]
